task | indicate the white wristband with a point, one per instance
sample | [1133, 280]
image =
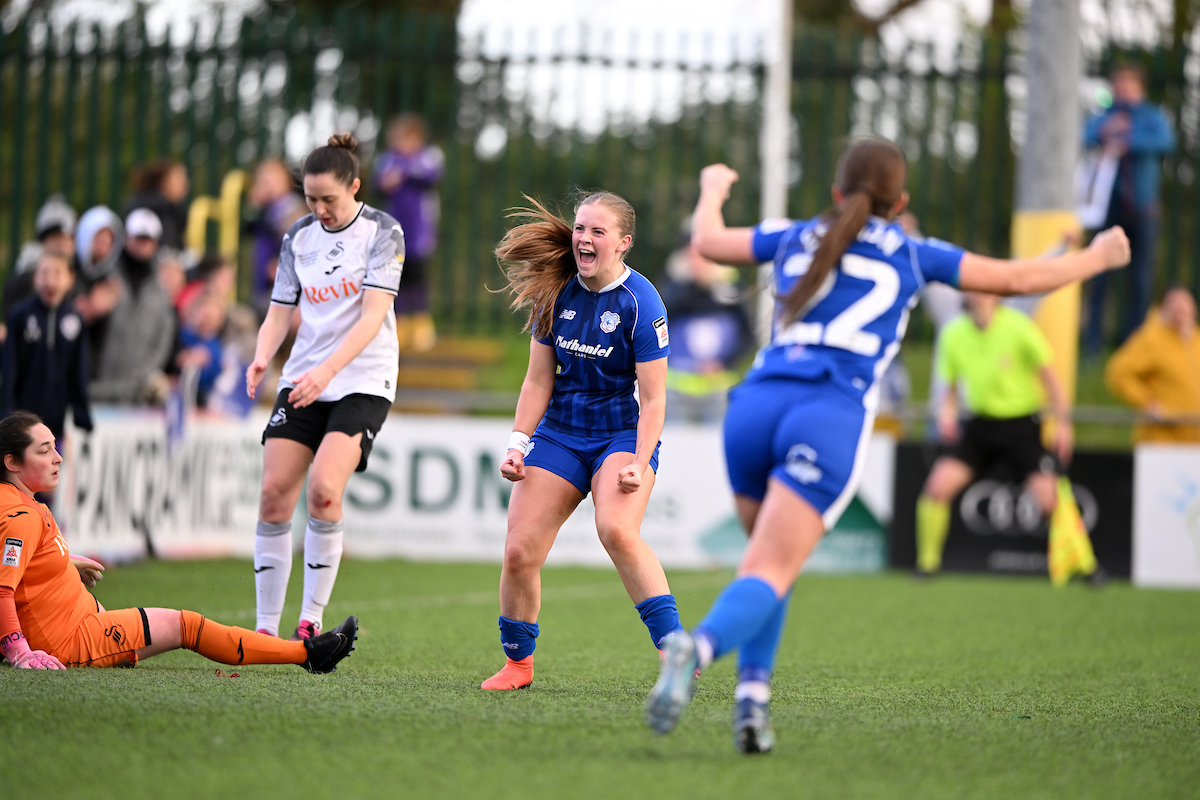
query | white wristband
[519, 441]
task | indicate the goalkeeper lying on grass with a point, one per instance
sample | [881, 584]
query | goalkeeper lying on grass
[49, 620]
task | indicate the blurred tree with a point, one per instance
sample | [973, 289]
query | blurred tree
[444, 7]
[37, 8]
[1186, 14]
[842, 15]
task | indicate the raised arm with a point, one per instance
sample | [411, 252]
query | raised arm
[1108, 250]
[531, 406]
[715, 241]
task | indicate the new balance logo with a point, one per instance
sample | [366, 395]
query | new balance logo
[567, 313]
[261, 569]
[320, 566]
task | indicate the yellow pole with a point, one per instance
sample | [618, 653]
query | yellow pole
[1035, 233]
[230, 220]
[226, 211]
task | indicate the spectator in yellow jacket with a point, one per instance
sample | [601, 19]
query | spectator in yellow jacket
[1157, 371]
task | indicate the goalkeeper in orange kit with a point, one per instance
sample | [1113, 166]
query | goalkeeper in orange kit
[49, 620]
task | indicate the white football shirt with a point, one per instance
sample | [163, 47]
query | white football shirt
[326, 272]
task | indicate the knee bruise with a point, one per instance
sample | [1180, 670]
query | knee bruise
[320, 496]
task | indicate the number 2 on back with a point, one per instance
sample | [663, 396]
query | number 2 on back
[845, 331]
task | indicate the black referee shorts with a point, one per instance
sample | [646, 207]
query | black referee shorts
[1014, 443]
[353, 414]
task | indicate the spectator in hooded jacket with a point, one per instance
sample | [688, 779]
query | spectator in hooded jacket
[1157, 371]
[99, 242]
[44, 360]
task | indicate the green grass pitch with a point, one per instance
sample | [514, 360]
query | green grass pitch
[885, 688]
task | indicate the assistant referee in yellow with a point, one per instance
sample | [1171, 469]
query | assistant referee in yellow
[1001, 362]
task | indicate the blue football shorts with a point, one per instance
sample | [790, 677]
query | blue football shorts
[810, 435]
[577, 458]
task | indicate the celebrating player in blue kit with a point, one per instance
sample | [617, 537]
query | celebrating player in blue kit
[797, 428]
[599, 336]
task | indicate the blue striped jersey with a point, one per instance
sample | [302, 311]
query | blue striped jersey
[598, 338]
[851, 329]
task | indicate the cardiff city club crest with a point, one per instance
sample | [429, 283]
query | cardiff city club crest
[609, 321]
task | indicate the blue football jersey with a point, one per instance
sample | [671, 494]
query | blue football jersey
[598, 338]
[852, 327]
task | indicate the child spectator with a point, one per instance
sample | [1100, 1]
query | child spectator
[53, 229]
[215, 274]
[200, 341]
[228, 395]
[408, 174]
[44, 361]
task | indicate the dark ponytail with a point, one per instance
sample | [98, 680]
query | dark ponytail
[335, 158]
[15, 438]
[871, 176]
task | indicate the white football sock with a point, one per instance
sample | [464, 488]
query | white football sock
[272, 568]
[704, 652]
[758, 691]
[322, 554]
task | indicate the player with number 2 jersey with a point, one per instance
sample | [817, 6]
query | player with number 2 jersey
[797, 428]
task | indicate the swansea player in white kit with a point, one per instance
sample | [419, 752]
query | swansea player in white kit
[341, 265]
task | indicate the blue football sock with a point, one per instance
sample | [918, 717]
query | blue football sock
[518, 638]
[660, 615]
[756, 657]
[739, 613]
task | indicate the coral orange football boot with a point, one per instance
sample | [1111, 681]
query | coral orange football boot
[515, 675]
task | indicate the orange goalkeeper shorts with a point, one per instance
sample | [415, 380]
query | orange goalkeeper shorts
[107, 639]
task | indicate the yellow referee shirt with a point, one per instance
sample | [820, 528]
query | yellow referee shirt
[997, 367]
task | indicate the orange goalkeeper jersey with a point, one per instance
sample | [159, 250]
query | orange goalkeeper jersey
[51, 598]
